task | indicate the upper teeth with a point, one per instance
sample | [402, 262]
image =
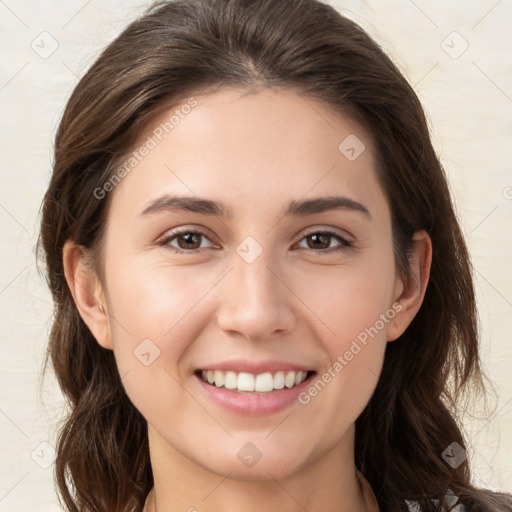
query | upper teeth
[262, 382]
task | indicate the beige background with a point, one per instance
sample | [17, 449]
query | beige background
[467, 93]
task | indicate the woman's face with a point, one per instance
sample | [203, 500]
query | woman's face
[283, 281]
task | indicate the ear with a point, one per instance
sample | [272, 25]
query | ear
[409, 296]
[87, 292]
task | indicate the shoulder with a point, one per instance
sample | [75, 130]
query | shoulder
[450, 500]
[483, 500]
[415, 507]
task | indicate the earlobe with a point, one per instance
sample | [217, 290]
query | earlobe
[87, 292]
[411, 294]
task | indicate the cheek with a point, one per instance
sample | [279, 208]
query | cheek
[157, 303]
[355, 308]
[348, 298]
[156, 311]
[345, 384]
[339, 394]
[156, 316]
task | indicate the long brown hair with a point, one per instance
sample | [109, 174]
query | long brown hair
[183, 47]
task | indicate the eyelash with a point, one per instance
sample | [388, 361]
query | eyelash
[344, 246]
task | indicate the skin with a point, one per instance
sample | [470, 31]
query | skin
[254, 151]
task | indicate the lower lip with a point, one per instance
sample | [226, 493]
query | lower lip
[254, 404]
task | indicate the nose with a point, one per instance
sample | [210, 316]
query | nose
[255, 301]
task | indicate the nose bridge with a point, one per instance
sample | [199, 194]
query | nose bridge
[254, 301]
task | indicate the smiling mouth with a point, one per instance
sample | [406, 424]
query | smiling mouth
[243, 382]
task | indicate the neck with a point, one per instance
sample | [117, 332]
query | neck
[329, 484]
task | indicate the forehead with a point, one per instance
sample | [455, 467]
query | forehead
[250, 147]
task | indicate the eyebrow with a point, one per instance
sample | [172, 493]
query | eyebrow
[295, 208]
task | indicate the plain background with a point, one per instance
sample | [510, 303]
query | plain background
[458, 57]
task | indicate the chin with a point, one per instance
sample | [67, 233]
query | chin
[276, 465]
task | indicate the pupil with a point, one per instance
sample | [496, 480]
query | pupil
[187, 237]
[316, 237]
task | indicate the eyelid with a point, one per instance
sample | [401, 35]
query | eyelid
[327, 229]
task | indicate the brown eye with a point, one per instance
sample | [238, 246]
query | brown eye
[188, 241]
[320, 241]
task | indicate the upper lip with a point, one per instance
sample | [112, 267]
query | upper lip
[255, 367]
